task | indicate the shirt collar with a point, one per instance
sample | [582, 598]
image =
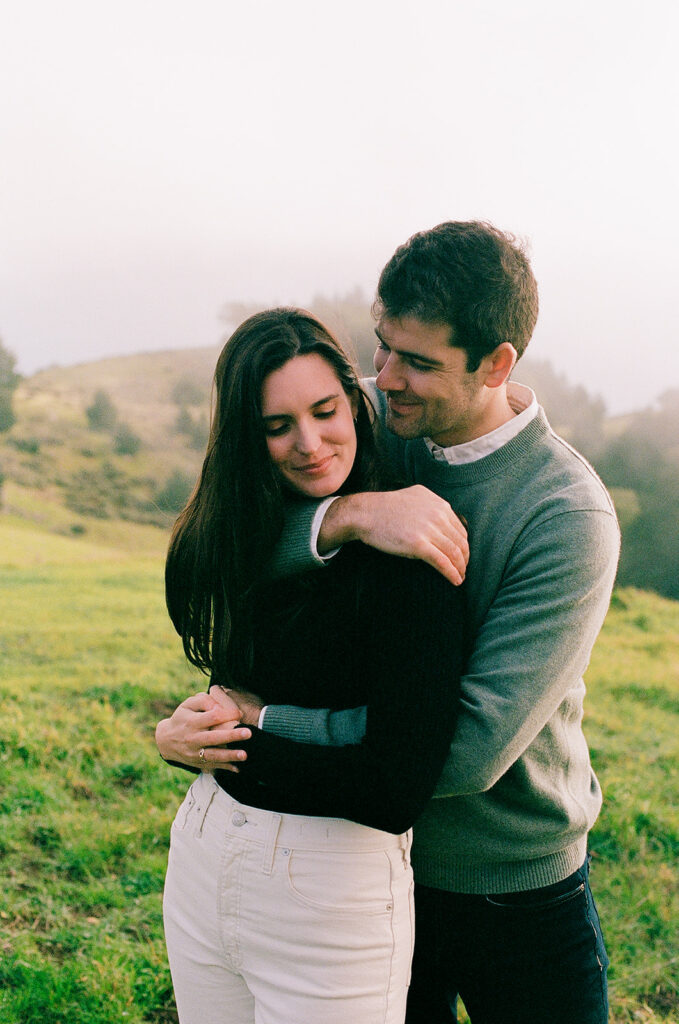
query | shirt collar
[522, 401]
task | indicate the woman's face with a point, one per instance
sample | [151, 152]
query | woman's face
[309, 425]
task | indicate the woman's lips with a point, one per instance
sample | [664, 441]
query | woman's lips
[315, 468]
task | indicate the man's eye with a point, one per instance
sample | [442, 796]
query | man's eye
[416, 365]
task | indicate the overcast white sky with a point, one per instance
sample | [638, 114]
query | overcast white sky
[161, 159]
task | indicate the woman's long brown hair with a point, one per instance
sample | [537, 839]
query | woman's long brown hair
[224, 538]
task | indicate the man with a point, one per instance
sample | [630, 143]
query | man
[505, 916]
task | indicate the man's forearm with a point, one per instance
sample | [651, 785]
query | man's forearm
[412, 522]
[343, 521]
[320, 726]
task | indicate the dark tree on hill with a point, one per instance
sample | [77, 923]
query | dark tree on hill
[8, 383]
[184, 422]
[175, 493]
[102, 414]
[126, 442]
[187, 392]
[641, 461]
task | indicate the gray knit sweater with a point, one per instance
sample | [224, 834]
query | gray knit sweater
[518, 794]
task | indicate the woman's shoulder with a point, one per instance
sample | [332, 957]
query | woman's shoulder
[407, 575]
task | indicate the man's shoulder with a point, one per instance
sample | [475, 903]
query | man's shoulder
[566, 474]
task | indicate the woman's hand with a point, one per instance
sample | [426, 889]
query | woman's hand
[246, 706]
[201, 723]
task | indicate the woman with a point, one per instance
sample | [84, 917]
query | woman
[289, 893]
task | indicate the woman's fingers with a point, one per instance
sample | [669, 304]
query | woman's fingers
[198, 702]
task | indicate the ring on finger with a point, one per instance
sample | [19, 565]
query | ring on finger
[201, 753]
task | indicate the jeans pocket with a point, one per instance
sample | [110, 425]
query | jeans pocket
[536, 899]
[341, 883]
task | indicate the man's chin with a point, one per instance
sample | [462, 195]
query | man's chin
[402, 427]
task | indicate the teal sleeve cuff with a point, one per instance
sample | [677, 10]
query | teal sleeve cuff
[315, 725]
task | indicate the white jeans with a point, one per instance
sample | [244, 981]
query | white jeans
[282, 919]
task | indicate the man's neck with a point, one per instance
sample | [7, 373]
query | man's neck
[491, 413]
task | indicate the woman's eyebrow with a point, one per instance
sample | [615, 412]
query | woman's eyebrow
[314, 405]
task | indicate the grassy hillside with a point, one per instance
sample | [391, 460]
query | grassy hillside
[89, 663]
[53, 458]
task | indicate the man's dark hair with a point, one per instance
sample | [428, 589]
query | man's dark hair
[469, 276]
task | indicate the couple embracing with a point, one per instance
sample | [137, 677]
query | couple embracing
[374, 718]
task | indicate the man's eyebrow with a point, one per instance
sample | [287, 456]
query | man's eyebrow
[314, 405]
[409, 355]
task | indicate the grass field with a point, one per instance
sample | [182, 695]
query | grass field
[88, 663]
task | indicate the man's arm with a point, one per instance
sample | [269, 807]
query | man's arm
[412, 522]
[533, 646]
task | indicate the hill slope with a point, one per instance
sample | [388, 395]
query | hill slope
[62, 472]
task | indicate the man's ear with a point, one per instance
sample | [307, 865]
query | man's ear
[498, 364]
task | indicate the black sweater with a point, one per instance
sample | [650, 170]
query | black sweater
[371, 629]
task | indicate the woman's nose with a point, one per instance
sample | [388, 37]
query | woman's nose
[308, 439]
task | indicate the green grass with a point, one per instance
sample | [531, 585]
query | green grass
[88, 663]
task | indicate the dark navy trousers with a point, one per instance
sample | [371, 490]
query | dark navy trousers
[535, 957]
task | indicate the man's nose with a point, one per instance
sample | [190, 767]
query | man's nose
[389, 378]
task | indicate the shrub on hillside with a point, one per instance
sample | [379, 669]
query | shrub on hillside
[184, 422]
[175, 493]
[188, 392]
[102, 492]
[8, 383]
[102, 414]
[29, 445]
[198, 437]
[126, 442]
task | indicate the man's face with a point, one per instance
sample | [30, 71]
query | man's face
[429, 391]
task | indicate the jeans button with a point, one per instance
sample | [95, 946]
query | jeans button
[238, 818]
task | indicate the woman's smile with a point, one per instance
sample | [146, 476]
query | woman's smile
[309, 424]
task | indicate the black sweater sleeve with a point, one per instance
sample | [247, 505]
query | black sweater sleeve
[412, 669]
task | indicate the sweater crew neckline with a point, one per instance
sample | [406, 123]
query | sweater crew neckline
[496, 462]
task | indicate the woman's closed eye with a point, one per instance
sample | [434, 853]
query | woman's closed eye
[276, 429]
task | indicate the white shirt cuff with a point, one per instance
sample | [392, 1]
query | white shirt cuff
[260, 722]
[316, 529]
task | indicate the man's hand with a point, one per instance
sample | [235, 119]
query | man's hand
[413, 522]
[201, 723]
[247, 705]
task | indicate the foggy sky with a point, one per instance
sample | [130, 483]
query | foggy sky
[160, 160]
